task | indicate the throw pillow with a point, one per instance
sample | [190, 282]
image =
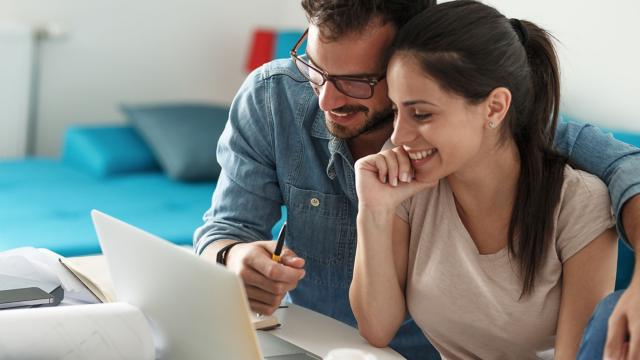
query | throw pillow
[107, 150]
[183, 137]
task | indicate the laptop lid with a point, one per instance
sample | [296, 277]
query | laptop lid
[198, 309]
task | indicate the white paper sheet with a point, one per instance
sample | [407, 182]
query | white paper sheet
[42, 265]
[96, 331]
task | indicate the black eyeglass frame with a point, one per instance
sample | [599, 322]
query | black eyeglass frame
[371, 81]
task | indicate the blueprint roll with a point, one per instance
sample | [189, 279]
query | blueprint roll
[96, 331]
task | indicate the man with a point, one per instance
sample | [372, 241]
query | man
[295, 129]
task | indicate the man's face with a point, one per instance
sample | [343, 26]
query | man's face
[357, 54]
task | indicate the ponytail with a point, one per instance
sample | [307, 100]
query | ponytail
[541, 169]
[545, 79]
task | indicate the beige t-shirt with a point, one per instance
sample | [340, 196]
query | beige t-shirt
[467, 303]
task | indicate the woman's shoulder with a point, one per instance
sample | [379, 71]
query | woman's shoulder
[578, 183]
[584, 212]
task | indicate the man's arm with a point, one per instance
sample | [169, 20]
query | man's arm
[614, 162]
[618, 165]
[246, 202]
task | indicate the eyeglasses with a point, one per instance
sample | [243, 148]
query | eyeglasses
[352, 86]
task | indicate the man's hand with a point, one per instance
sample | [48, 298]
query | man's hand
[623, 334]
[266, 281]
[624, 326]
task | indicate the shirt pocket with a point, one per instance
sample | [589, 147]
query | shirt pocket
[318, 226]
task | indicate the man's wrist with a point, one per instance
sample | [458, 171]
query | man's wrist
[210, 252]
[223, 254]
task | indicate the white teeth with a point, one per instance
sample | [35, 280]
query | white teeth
[419, 155]
[340, 114]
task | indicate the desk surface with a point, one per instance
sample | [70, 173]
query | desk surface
[306, 328]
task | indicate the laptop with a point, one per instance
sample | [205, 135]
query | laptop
[197, 309]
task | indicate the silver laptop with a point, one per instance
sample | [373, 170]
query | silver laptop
[198, 309]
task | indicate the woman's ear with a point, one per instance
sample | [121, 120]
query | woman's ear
[497, 107]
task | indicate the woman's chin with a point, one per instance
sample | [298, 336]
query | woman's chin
[426, 177]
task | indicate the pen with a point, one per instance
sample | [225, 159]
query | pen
[276, 254]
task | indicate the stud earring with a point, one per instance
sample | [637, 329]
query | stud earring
[491, 125]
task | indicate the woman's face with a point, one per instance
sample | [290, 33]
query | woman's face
[441, 132]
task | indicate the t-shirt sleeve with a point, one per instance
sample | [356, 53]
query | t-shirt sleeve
[402, 211]
[585, 212]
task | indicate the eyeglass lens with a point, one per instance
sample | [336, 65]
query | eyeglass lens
[353, 88]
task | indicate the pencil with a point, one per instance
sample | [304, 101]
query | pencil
[276, 254]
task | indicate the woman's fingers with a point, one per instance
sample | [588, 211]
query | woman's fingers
[392, 166]
[405, 169]
[383, 168]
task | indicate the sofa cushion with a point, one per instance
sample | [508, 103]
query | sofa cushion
[107, 150]
[47, 203]
[628, 137]
[183, 137]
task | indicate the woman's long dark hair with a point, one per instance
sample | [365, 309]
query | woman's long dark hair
[470, 49]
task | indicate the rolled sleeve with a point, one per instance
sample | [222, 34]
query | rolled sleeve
[616, 163]
[246, 201]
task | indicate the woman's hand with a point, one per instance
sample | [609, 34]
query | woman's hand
[385, 179]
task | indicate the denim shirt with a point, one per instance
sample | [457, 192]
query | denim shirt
[277, 150]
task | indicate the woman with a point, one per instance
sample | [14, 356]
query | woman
[494, 245]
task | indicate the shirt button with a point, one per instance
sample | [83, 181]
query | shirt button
[315, 202]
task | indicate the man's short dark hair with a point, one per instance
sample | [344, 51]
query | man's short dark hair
[336, 18]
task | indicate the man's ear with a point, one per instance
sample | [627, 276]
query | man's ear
[497, 106]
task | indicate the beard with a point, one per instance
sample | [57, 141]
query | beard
[373, 121]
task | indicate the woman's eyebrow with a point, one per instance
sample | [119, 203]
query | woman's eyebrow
[416, 102]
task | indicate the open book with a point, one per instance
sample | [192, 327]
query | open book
[94, 274]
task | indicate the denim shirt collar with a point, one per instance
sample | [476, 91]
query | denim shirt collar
[338, 148]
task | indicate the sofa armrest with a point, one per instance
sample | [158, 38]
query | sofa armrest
[107, 150]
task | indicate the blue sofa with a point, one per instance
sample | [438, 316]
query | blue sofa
[46, 203]
[153, 172]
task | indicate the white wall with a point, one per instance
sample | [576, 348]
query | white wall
[599, 54]
[16, 51]
[599, 51]
[134, 51]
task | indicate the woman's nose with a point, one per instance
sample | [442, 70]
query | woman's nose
[403, 131]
